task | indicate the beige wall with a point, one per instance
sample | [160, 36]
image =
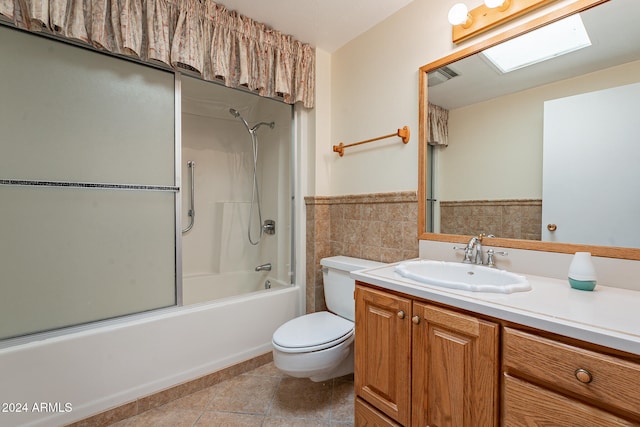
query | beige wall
[318, 173]
[512, 126]
[374, 91]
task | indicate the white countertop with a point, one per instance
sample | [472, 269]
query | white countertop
[607, 316]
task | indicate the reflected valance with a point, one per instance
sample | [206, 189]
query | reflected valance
[438, 125]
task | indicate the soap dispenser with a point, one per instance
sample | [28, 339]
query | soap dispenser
[582, 274]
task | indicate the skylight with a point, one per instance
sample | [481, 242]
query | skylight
[553, 40]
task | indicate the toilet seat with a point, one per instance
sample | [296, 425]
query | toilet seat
[312, 332]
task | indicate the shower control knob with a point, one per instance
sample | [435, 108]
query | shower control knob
[269, 226]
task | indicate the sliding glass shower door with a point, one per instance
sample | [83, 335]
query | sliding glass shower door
[87, 186]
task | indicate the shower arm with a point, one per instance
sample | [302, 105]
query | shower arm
[192, 210]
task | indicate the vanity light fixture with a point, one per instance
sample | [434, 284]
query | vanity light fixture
[468, 23]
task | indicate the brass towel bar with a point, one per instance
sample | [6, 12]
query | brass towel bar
[402, 133]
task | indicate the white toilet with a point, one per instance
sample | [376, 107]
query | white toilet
[319, 345]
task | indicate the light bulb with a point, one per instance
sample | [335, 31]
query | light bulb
[458, 14]
[493, 3]
[501, 5]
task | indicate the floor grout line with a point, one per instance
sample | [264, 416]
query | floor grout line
[262, 377]
[273, 397]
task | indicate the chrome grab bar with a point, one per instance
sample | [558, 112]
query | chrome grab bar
[192, 210]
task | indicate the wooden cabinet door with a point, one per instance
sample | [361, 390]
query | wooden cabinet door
[383, 352]
[455, 369]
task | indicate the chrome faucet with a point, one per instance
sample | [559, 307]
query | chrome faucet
[264, 267]
[471, 257]
[473, 252]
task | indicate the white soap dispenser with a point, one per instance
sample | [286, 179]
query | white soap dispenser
[582, 274]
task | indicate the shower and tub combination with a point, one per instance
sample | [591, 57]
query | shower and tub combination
[240, 241]
[102, 238]
[96, 268]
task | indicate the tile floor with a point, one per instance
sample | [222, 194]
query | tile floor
[262, 397]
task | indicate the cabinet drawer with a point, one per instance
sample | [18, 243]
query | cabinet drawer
[606, 380]
[367, 416]
[526, 404]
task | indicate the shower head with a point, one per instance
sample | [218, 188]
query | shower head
[270, 124]
[235, 113]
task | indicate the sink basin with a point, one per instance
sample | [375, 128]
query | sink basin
[468, 277]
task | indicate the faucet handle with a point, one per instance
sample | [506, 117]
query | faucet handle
[490, 257]
[467, 253]
[482, 235]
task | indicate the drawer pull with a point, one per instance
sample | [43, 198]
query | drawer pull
[401, 314]
[583, 376]
[415, 319]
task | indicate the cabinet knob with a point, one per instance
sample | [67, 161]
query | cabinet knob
[552, 227]
[415, 319]
[401, 314]
[583, 376]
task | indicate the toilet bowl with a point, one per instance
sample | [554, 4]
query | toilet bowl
[319, 345]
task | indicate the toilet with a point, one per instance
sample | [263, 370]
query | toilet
[319, 346]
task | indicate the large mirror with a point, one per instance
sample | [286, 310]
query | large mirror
[496, 173]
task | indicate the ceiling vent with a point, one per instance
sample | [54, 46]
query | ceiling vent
[440, 76]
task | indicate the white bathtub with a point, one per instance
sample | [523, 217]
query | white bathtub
[209, 287]
[121, 362]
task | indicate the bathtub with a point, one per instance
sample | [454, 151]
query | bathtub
[131, 358]
[209, 287]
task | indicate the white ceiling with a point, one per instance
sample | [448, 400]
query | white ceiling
[613, 30]
[325, 24]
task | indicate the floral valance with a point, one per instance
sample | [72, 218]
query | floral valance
[199, 36]
[438, 125]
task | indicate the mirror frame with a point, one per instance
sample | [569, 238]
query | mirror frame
[569, 248]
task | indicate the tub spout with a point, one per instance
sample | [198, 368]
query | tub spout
[264, 267]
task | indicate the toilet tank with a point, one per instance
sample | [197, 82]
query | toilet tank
[338, 284]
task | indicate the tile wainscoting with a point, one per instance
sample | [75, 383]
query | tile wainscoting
[514, 219]
[379, 227]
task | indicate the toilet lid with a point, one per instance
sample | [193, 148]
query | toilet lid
[312, 332]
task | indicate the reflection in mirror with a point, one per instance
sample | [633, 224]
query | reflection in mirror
[494, 173]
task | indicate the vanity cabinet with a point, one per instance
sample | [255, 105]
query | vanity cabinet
[422, 364]
[383, 353]
[548, 382]
[419, 364]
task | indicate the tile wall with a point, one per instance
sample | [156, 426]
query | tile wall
[514, 219]
[380, 227]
